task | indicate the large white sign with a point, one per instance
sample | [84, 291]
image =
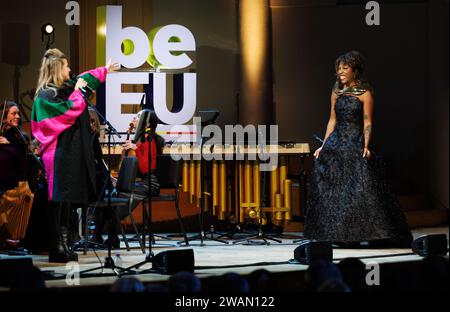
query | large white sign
[168, 47]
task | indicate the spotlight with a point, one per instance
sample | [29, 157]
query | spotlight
[48, 28]
[48, 31]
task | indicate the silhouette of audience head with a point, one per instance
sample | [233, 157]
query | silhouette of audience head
[233, 282]
[127, 284]
[184, 282]
[155, 288]
[321, 272]
[261, 281]
[435, 273]
[354, 272]
[334, 285]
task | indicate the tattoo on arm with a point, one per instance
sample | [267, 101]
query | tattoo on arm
[366, 117]
[367, 133]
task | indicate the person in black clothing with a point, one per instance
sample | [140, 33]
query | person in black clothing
[15, 168]
[350, 200]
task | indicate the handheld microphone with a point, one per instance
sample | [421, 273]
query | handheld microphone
[1, 120]
[86, 91]
[142, 101]
[315, 137]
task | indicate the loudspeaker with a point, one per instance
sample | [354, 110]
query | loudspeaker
[11, 266]
[309, 251]
[173, 261]
[429, 245]
[16, 44]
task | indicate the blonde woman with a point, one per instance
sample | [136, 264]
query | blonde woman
[60, 122]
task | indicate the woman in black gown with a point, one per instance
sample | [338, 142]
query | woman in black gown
[349, 198]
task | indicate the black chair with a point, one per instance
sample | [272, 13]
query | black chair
[168, 172]
[121, 205]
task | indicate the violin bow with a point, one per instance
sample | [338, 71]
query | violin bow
[3, 116]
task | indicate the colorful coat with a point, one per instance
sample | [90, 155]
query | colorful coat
[60, 122]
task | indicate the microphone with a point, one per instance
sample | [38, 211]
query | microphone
[86, 91]
[1, 120]
[142, 101]
[315, 137]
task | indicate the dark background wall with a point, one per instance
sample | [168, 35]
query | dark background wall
[407, 69]
[214, 25]
[34, 14]
[307, 40]
[438, 103]
[407, 57]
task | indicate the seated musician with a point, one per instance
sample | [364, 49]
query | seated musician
[10, 132]
[16, 198]
[141, 150]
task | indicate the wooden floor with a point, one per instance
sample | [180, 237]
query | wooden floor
[214, 259]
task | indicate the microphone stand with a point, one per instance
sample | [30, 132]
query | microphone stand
[149, 257]
[109, 262]
[303, 182]
[260, 235]
[202, 235]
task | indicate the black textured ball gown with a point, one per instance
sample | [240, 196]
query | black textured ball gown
[349, 199]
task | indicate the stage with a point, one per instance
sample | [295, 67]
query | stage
[216, 258]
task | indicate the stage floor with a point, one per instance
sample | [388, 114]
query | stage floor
[216, 258]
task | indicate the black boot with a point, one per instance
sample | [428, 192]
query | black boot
[72, 255]
[73, 223]
[58, 249]
[61, 252]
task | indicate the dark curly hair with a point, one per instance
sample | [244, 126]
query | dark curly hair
[4, 110]
[357, 62]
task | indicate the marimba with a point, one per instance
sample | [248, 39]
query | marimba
[245, 185]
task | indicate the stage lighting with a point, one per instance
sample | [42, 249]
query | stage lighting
[173, 261]
[309, 251]
[47, 30]
[430, 245]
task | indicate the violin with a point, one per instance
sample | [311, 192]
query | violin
[129, 152]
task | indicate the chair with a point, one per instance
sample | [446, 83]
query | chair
[125, 184]
[168, 172]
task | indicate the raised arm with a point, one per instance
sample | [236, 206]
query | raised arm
[367, 111]
[330, 126]
[95, 77]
